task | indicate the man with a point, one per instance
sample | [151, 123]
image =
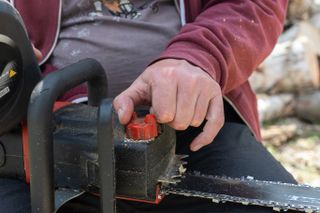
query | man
[191, 66]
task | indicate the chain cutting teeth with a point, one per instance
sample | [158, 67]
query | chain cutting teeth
[182, 156]
[175, 170]
[248, 191]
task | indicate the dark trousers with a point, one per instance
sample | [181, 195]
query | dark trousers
[234, 153]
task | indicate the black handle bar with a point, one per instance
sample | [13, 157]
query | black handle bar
[40, 124]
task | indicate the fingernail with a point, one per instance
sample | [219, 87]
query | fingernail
[151, 110]
[120, 113]
[196, 147]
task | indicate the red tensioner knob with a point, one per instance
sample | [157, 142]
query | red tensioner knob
[142, 128]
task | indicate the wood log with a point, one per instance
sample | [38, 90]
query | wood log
[315, 7]
[293, 64]
[275, 106]
[314, 20]
[281, 131]
[299, 10]
[307, 107]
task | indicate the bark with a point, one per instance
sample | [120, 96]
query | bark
[299, 10]
[275, 106]
[314, 21]
[307, 107]
[293, 64]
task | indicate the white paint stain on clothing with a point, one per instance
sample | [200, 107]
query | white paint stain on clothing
[85, 32]
[75, 53]
[65, 45]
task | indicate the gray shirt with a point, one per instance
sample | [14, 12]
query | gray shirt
[124, 36]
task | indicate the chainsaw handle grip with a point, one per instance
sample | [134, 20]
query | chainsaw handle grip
[40, 124]
[59, 82]
[106, 153]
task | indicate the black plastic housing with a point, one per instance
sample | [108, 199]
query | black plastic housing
[15, 46]
[139, 164]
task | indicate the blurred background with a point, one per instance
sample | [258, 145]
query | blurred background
[287, 84]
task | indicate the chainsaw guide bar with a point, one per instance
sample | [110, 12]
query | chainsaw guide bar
[247, 191]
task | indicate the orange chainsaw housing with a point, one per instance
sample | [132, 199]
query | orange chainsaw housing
[25, 145]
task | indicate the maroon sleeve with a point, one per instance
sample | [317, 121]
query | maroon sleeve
[229, 39]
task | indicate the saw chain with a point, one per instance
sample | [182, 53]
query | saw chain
[247, 191]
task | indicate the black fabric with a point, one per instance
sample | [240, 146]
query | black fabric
[230, 115]
[14, 196]
[234, 153]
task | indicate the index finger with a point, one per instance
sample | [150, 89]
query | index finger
[164, 99]
[215, 121]
[37, 53]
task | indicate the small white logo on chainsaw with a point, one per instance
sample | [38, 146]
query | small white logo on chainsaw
[4, 91]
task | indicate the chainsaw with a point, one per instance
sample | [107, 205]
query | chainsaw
[64, 149]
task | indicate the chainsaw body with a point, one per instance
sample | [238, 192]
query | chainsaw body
[138, 163]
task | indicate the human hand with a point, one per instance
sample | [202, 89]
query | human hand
[180, 95]
[37, 53]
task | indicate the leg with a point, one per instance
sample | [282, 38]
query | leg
[14, 196]
[234, 153]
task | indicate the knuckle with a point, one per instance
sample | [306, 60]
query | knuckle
[193, 82]
[212, 90]
[194, 77]
[179, 126]
[168, 73]
[165, 117]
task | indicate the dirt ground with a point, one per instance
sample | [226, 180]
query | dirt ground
[296, 145]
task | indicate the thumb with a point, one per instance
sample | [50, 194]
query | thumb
[37, 53]
[138, 93]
